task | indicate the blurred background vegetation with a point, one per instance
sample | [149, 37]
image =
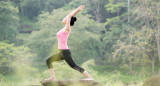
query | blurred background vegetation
[116, 41]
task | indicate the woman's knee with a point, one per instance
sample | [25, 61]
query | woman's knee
[48, 61]
[49, 64]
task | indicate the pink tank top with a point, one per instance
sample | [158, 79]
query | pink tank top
[62, 39]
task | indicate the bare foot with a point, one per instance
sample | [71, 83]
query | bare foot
[48, 79]
[88, 79]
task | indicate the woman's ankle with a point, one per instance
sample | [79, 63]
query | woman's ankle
[88, 79]
[85, 73]
[52, 77]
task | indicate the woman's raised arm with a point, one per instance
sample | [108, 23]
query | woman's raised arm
[73, 13]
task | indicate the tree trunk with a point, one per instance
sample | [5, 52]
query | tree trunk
[153, 61]
[153, 64]
[158, 46]
[130, 64]
[97, 14]
[130, 59]
[4, 38]
[128, 13]
[158, 34]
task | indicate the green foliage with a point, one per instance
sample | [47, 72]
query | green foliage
[1, 77]
[114, 7]
[26, 24]
[9, 21]
[12, 59]
[134, 47]
[49, 5]
[40, 45]
[31, 8]
[92, 7]
[6, 57]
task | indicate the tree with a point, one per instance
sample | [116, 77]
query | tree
[141, 34]
[115, 25]
[96, 9]
[31, 8]
[147, 20]
[9, 21]
[11, 57]
[50, 5]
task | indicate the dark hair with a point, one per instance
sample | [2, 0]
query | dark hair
[73, 19]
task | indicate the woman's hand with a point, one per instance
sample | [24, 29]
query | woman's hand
[80, 7]
[73, 13]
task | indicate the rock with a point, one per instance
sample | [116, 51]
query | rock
[152, 81]
[30, 85]
[70, 83]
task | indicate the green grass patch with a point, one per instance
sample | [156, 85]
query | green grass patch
[23, 36]
[106, 75]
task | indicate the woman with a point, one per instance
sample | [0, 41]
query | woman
[64, 52]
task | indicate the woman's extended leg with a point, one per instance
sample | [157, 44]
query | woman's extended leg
[53, 58]
[68, 58]
[85, 73]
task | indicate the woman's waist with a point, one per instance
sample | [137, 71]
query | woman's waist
[63, 47]
[64, 51]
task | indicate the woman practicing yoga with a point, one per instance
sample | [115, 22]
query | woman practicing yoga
[64, 52]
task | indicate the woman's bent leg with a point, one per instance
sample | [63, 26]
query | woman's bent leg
[53, 58]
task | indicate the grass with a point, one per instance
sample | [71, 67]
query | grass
[116, 73]
[100, 74]
[23, 36]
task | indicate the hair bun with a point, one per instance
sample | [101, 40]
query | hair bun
[74, 18]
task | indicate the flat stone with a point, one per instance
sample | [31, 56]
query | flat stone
[30, 85]
[70, 83]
